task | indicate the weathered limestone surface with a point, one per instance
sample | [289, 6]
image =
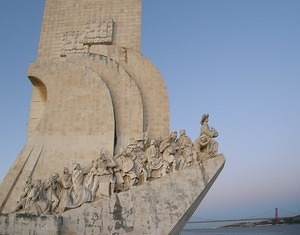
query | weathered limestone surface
[72, 16]
[99, 156]
[161, 206]
[23, 224]
[84, 101]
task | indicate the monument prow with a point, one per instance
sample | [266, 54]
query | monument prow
[99, 156]
[160, 206]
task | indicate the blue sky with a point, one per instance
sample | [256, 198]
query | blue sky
[237, 60]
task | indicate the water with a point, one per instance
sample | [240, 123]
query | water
[293, 229]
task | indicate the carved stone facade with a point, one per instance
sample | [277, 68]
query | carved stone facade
[99, 156]
[160, 206]
[96, 32]
[140, 162]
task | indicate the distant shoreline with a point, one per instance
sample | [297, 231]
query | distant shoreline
[270, 222]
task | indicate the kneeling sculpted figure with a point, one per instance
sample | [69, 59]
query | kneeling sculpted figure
[36, 201]
[205, 145]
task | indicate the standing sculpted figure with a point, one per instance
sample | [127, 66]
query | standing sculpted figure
[126, 170]
[137, 154]
[205, 145]
[105, 173]
[65, 196]
[81, 193]
[52, 190]
[169, 149]
[185, 147]
[157, 166]
[92, 181]
[22, 200]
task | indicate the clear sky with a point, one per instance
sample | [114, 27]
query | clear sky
[237, 60]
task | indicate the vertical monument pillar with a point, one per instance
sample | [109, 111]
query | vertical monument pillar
[92, 90]
[99, 157]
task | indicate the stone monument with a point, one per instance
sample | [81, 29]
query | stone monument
[99, 156]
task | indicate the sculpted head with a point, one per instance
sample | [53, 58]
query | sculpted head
[55, 176]
[76, 166]
[66, 170]
[152, 142]
[29, 180]
[37, 183]
[173, 135]
[182, 132]
[204, 118]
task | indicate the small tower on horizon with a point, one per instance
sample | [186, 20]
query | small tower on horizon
[276, 216]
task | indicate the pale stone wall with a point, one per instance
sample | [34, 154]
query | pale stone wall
[24, 224]
[87, 98]
[38, 104]
[78, 101]
[77, 122]
[13, 180]
[152, 87]
[93, 92]
[72, 15]
[126, 97]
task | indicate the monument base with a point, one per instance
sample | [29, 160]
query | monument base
[17, 224]
[161, 206]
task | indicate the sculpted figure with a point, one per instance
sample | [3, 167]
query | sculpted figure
[81, 193]
[22, 200]
[65, 196]
[146, 140]
[139, 162]
[137, 154]
[125, 169]
[36, 202]
[185, 147]
[52, 190]
[105, 173]
[92, 181]
[169, 148]
[157, 166]
[205, 145]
